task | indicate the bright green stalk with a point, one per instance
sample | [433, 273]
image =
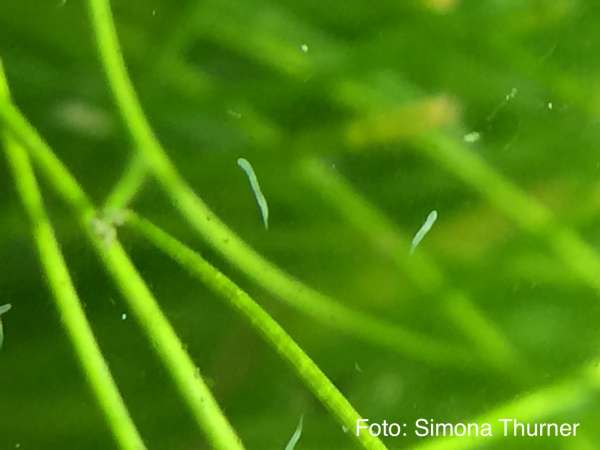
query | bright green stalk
[170, 350]
[526, 211]
[468, 166]
[67, 301]
[261, 321]
[128, 186]
[217, 234]
[424, 273]
[186, 375]
[536, 406]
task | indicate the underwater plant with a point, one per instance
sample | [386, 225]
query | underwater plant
[491, 317]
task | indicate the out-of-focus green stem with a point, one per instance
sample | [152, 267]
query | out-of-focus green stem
[260, 320]
[169, 348]
[65, 296]
[128, 186]
[523, 209]
[218, 235]
[385, 236]
[543, 403]
[468, 166]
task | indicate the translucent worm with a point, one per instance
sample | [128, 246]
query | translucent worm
[260, 198]
[431, 218]
[3, 309]
[296, 436]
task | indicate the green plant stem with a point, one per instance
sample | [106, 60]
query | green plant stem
[493, 346]
[224, 240]
[543, 403]
[523, 209]
[169, 348]
[260, 320]
[528, 213]
[69, 306]
[65, 297]
[67, 301]
[424, 273]
[128, 185]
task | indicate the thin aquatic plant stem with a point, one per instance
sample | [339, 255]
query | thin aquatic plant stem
[223, 239]
[567, 240]
[171, 351]
[310, 374]
[493, 346]
[411, 344]
[66, 299]
[528, 213]
[546, 402]
[490, 341]
[128, 186]
[69, 306]
[123, 92]
[142, 303]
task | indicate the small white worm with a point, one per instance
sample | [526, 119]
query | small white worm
[296, 436]
[260, 198]
[431, 218]
[3, 309]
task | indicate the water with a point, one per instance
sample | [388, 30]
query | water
[482, 126]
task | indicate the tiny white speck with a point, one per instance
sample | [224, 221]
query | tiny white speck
[304, 48]
[550, 105]
[153, 12]
[472, 137]
[357, 367]
[123, 316]
[344, 429]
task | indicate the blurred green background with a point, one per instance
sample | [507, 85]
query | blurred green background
[349, 83]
